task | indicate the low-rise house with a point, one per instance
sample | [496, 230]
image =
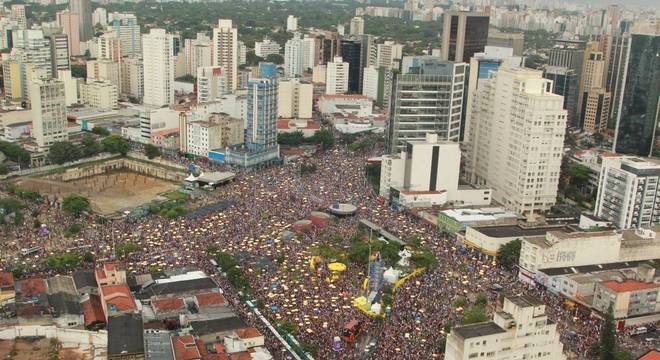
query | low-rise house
[93, 312]
[243, 339]
[67, 312]
[209, 301]
[116, 300]
[85, 282]
[31, 286]
[632, 300]
[34, 310]
[215, 330]
[110, 274]
[61, 284]
[157, 344]
[125, 337]
[169, 308]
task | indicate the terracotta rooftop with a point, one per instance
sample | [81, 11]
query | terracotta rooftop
[210, 298]
[247, 333]
[220, 353]
[119, 296]
[629, 285]
[6, 279]
[32, 286]
[92, 310]
[651, 355]
[168, 304]
[185, 348]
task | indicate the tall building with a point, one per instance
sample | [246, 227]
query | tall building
[627, 193]
[329, 47]
[463, 35]
[569, 54]
[638, 107]
[387, 55]
[595, 110]
[515, 41]
[351, 52]
[521, 327]
[132, 78]
[70, 86]
[357, 26]
[521, 139]
[20, 14]
[565, 83]
[215, 132]
[59, 52]
[616, 60]
[99, 94]
[109, 46]
[70, 24]
[225, 51]
[592, 74]
[34, 49]
[49, 123]
[294, 99]
[242, 53]
[100, 16]
[377, 85]
[291, 23]
[84, 9]
[104, 69]
[158, 68]
[311, 50]
[427, 97]
[337, 74]
[198, 53]
[211, 84]
[126, 26]
[294, 57]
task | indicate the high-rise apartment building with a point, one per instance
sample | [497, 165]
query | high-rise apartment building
[211, 84]
[20, 14]
[215, 132]
[104, 69]
[637, 96]
[109, 46]
[291, 23]
[84, 10]
[357, 26]
[628, 191]
[521, 329]
[34, 49]
[225, 51]
[158, 68]
[99, 94]
[463, 34]
[595, 111]
[377, 85]
[70, 86]
[387, 54]
[100, 16]
[70, 24]
[521, 139]
[132, 78]
[59, 52]
[337, 74]
[49, 122]
[198, 53]
[427, 97]
[311, 51]
[294, 57]
[294, 99]
[126, 26]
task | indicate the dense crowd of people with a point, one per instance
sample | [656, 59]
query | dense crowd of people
[265, 203]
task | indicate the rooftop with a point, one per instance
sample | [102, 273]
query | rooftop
[6, 279]
[119, 296]
[629, 285]
[125, 334]
[92, 310]
[210, 298]
[524, 300]
[204, 327]
[168, 304]
[178, 287]
[651, 355]
[64, 303]
[84, 278]
[185, 348]
[157, 345]
[478, 330]
[247, 333]
[594, 268]
[32, 286]
[509, 231]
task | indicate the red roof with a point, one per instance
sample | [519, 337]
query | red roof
[210, 298]
[651, 355]
[120, 296]
[247, 333]
[220, 353]
[185, 348]
[32, 286]
[629, 285]
[100, 274]
[243, 355]
[6, 279]
[92, 310]
[168, 304]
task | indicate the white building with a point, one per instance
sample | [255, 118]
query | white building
[518, 109]
[132, 77]
[294, 99]
[357, 26]
[426, 174]
[521, 330]
[291, 23]
[266, 47]
[242, 53]
[225, 51]
[157, 120]
[100, 16]
[370, 83]
[158, 66]
[198, 53]
[218, 131]
[211, 84]
[99, 94]
[350, 104]
[336, 81]
[70, 86]
[387, 54]
[103, 69]
[319, 74]
[294, 57]
[627, 191]
[126, 25]
[49, 123]
[311, 52]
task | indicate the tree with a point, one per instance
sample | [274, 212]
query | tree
[186, 78]
[481, 300]
[100, 131]
[151, 151]
[509, 253]
[79, 71]
[63, 151]
[607, 342]
[4, 170]
[474, 314]
[126, 248]
[290, 139]
[15, 152]
[89, 146]
[323, 137]
[75, 204]
[115, 144]
[252, 59]
[275, 58]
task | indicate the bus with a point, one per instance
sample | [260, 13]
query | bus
[30, 251]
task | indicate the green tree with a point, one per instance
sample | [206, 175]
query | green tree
[15, 152]
[252, 59]
[89, 146]
[607, 342]
[275, 58]
[126, 248]
[323, 137]
[473, 314]
[509, 253]
[75, 204]
[4, 169]
[115, 144]
[151, 151]
[291, 139]
[79, 71]
[187, 78]
[100, 131]
[460, 301]
[425, 258]
[63, 151]
[481, 300]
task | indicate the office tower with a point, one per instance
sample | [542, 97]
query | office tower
[387, 54]
[593, 66]
[20, 14]
[357, 26]
[49, 122]
[627, 193]
[294, 99]
[225, 52]
[294, 57]
[521, 327]
[463, 34]
[329, 44]
[266, 47]
[158, 68]
[377, 85]
[337, 77]
[84, 9]
[70, 24]
[565, 83]
[569, 54]
[70, 87]
[368, 53]
[351, 52]
[637, 117]
[516, 41]
[126, 26]
[618, 60]
[132, 78]
[99, 94]
[59, 52]
[211, 84]
[100, 17]
[427, 98]
[311, 51]
[481, 66]
[34, 49]
[291, 23]
[521, 139]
